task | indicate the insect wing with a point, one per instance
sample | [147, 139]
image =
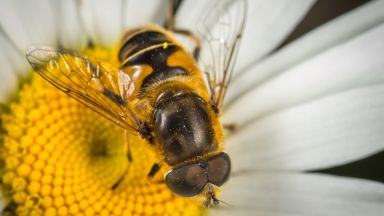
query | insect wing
[220, 31]
[87, 81]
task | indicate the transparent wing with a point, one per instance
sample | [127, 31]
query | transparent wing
[88, 81]
[220, 31]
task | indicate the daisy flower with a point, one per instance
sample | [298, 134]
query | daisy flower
[296, 105]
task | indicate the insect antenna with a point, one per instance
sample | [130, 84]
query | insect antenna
[217, 202]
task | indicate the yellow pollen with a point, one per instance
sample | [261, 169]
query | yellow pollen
[58, 157]
[165, 45]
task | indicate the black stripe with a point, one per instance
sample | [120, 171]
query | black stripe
[163, 74]
[139, 42]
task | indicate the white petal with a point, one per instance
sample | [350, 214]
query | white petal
[188, 13]
[141, 12]
[249, 212]
[105, 20]
[326, 132]
[268, 23]
[355, 63]
[71, 32]
[301, 194]
[316, 41]
[8, 79]
[189, 16]
[13, 59]
[102, 20]
[29, 22]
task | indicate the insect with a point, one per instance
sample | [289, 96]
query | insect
[170, 96]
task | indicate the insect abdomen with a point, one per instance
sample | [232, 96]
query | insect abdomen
[149, 52]
[138, 40]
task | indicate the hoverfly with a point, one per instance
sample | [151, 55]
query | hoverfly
[170, 96]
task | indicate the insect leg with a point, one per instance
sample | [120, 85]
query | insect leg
[129, 157]
[211, 84]
[170, 15]
[114, 186]
[120, 180]
[187, 33]
[154, 169]
[194, 38]
[128, 146]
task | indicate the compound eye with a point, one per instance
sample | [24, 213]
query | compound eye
[219, 168]
[188, 180]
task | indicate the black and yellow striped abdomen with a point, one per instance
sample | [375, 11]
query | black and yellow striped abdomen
[152, 55]
[157, 62]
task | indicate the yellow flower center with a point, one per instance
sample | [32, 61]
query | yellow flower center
[58, 157]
